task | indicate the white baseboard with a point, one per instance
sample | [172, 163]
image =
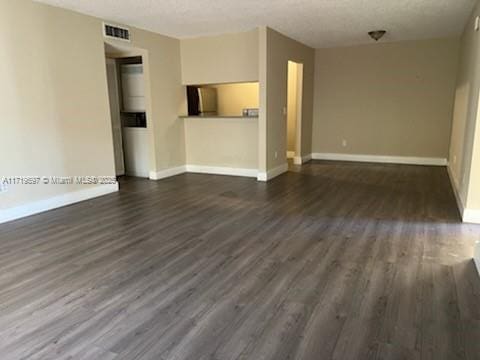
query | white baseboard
[218, 170]
[381, 159]
[165, 173]
[290, 154]
[262, 176]
[270, 174]
[39, 206]
[468, 215]
[458, 199]
[201, 169]
[306, 158]
[471, 216]
[299, 160]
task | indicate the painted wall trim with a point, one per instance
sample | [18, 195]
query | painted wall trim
[218, 170]
[307, 158]
[270, 174]
[381, 159]
[165, 173]
[471, 216]
[467, 215]
[458, 199]
[299, 160]
[202, 169]
[39, 206]
[476, 256]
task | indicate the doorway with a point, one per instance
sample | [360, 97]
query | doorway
[113, 98]
[127, 97]
[294, 112]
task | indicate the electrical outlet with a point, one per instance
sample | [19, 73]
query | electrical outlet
[477, 23]
[276, 154]
[284, 110]
[454, 159]
[344, 143]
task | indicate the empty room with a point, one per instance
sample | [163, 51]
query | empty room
[239, 180]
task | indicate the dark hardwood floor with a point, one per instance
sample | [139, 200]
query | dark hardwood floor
[333, 261]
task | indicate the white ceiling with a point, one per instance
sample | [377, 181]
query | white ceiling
[318, 23]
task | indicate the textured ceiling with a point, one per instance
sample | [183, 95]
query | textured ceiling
[318, 23]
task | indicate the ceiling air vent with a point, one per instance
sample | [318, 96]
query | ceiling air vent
[116, 32]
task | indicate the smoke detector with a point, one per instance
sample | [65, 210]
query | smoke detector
[377, 34]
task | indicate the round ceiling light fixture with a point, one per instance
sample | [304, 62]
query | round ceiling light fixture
[377, 34]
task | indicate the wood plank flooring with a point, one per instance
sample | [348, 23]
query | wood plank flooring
[329, 261]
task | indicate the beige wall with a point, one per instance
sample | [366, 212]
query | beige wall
[391, 99]
[56, 118]
[165, 96]
[220, 59]
[233, 98]
[220, 142]
[223, 59]
[465, 140]
[275, 52]
[55, 115]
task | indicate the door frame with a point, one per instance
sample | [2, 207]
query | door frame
[112, 84]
